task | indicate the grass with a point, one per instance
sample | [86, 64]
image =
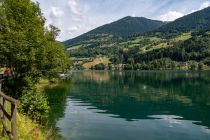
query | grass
[165, 44]
[96, 61]
[27, 129]
[154, 38]
[45, 83]
[183, 37]
[79, 59]
[74, 47]
[2, 69]
[162, 45]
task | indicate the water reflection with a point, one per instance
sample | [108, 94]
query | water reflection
[170, 102]
[137, 95]
[57, 97]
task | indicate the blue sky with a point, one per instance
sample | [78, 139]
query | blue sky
[75, 17]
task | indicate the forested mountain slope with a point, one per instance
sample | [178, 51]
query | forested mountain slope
[199, 20]
[122, 28]
[183, 43]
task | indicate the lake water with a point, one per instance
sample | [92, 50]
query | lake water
[133, 106]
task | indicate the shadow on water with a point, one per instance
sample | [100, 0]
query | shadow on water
[140, 95]
[57, 97]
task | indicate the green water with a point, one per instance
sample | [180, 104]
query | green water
[133, 106]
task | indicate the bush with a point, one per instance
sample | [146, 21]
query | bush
[34, 104]
[78, 67]
[200, 66]
[128, 67]
[100, 66]
[193, 66]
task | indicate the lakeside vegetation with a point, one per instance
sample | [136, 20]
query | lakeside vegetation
[29, 52]
[30, 130]
[34, 59]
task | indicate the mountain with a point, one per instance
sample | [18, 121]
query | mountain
[128, 26]
[122, 28]
[196, 21]
[180, 44]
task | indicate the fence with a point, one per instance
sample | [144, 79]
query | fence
[11, 116]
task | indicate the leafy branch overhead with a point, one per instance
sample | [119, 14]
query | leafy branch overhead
[26, 46]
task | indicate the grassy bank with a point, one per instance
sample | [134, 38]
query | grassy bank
[44, 83]
[28, 129]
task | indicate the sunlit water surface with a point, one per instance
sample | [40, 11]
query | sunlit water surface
[168, 105]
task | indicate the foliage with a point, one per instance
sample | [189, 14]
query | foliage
[193, 66]
[30, 130]
[122, 28]
[26, 46]
[163, 63]
[78, 67]
[100, 66]
[34, 104]
[199, 20]
[196, 48]
[182, 41]
[200, 66]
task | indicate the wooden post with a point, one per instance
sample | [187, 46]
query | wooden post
[3, 116]
[1, 112]
[0, 101]
[11, 132]
[13, 121]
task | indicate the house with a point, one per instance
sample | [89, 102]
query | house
[1, 75]
[8, 72]
[5, 73]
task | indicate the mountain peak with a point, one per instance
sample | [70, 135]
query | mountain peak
[124, 27]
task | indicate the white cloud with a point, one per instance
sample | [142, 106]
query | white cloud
[75, 17]
[56, 12]
[204, 5]
[73, 29]
[55, 15]
[173, 15]
[170, 16]
[74, 7]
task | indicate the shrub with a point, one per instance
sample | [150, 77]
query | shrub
[193, 66]
[34, 104]
[200, 66]
[100, 66]
[128, 67]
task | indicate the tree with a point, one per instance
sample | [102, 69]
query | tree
[193, 66]
[183, 54]
[99, 66]
[200, 66]
[26, 46]
[53, 32]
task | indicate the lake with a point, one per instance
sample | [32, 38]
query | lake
[152, 105]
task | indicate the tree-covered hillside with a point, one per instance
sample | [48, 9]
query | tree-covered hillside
[199, 20]
[183, 43]
[122, 28]
[128, 26]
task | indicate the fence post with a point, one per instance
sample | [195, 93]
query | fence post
[10, 131]
[3, 116]
[13, 121]
[1, 112]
